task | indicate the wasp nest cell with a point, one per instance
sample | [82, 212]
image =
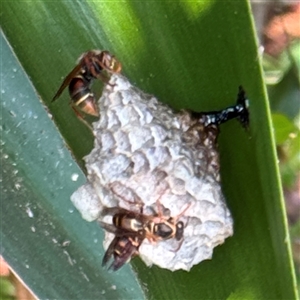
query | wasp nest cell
[152, 161]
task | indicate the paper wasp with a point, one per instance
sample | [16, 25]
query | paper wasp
[131, 228]
[91, 65]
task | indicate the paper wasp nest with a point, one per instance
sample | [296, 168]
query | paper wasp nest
[144, 153]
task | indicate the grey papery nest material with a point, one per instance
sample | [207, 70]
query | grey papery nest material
[145, 154]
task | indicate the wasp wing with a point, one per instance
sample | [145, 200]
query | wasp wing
[67, 81]
[110, 251]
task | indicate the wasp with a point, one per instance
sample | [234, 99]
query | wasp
[131, 228]
[91, 65]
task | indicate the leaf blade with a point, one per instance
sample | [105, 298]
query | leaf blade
[196, 58]
[42, 237]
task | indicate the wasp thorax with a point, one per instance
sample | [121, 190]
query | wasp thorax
[158, 171]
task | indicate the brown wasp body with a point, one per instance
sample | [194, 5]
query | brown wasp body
[131, 228]
[91, 65]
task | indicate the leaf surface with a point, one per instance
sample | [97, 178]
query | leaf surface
[190, 55]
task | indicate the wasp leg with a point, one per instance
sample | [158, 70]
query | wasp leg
[81, 118]
[161, 214]
[182, 213]
[161, 211]
[239, 111]
[152, 240]
[105, 79]
[120, 191]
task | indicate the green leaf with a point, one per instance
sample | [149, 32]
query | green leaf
[190, 55]
[43, 238]
[7, 291]
[276, 68]
[283, 127]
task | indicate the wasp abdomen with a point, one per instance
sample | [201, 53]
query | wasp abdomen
[127, 222]
[82, 96]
